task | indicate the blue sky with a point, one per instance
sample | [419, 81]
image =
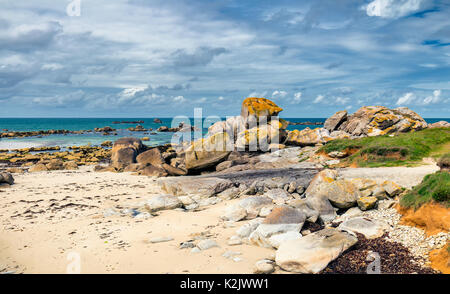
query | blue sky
[136, 58]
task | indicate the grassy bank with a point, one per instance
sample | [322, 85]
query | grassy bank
[434, 187]
[402, 149]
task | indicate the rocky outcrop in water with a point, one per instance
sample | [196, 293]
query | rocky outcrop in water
[375, 121]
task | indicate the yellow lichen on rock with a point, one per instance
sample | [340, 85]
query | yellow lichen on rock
[259, 107]
[307, 137]
[208, 151]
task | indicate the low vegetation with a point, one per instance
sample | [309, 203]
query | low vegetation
[434, 187]
[444, 161]
[401, 149]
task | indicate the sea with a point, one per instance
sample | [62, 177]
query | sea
[95, 138]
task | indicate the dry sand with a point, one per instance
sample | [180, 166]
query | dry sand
[48, 216]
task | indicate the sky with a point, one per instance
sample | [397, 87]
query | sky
[162, 58]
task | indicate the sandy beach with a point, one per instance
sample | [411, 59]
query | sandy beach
[50, 218]
[46, 216]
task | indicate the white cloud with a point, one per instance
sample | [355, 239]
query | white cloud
[318, 99]
[280, 94]
[297, 97]
[435, 98]
[131, 92]
[408, 98]
[342, 100]
[180, 99]
[392, 8]
[221, 98]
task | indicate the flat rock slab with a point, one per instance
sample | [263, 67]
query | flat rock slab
[285, 215]
[302, 176]
[193, 185]
[312, 253]
[370, 228]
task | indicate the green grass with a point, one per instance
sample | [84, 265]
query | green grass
[402, 149]
[434, 187]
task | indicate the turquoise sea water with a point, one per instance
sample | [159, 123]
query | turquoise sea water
[75, 124]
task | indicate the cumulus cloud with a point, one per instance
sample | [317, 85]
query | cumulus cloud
[408, 98]
[130, 92]
[187, 49]
[392, 8]
[342, 100]
[435, 98]
[179, 99]
[29, 36]
[318, 99]
[279, 94]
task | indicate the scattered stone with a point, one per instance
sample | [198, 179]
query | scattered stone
[6, 178]
[232, 255]
[143, 215]
[160, 239]
[207, 244]
[245, 230]
[366, 203]
[187, 244]
[264, 266]
[391, 188]
[279, 196]
[263, 233]
[162, 202]
[234, 240]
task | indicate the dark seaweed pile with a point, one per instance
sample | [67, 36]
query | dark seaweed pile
[394, 258]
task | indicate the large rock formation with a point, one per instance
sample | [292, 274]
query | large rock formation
[124, 152]
[254, 130]
[257, 108]
[209, 151]
[260, 137]
[130, 155]
[376, 120]
[333, 122]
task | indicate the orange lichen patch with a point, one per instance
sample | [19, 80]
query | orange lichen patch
[440, 259]
[328, 179]
[259, 107]
[431, 217]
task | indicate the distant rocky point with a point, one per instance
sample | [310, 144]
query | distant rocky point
[129, 122]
